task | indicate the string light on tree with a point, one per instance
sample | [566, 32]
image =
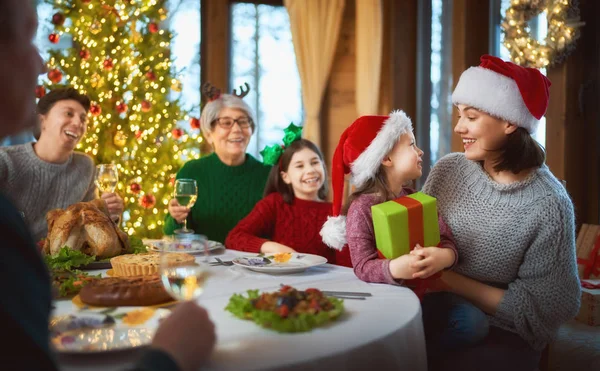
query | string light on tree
[563, 31]
[121, 59]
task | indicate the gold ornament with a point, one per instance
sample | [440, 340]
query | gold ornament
[176, 85]
[96, 81]
[120, 139]
[95, 27]
[563, 31]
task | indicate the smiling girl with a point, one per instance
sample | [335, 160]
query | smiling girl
[289, 217]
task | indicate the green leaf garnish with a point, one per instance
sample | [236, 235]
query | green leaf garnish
[241, 307]
[67, 259]
[137, 245]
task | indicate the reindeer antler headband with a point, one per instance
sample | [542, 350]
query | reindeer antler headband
[213, 93]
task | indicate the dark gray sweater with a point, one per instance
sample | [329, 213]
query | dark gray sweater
[36, 186]
[519, 236]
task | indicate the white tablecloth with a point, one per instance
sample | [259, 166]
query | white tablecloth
[384, 332]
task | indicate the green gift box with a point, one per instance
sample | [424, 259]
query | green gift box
[403, 223]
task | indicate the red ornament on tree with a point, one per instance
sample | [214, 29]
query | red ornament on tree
[54, 38]
[108, 64]
[95, 109]
[147, 201]
[177, 133]
[84, 54]
[55, 75]
[138, 134]
[58, 19]
[85, 1]
[146, 106]
[135, 188]
[153, 27]
[172, 180]
[121, 107]
[150, 76]
[40, 91]
[194, 123]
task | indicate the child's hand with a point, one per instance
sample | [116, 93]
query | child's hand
[433, 260]
[401, 267]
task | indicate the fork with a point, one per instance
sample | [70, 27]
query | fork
[221, 262]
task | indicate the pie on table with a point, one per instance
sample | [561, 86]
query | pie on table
[146, 263]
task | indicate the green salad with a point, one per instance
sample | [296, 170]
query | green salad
[286, 310]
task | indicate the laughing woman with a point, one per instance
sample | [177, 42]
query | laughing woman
[230, 181]
[512, 220]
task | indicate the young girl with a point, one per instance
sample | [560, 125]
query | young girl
[381, 155]
[293, 209]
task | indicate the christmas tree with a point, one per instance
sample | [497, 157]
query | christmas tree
[120, 57]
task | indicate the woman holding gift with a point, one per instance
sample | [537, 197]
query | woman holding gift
[290, 215]
[512, 220]
[230, 181]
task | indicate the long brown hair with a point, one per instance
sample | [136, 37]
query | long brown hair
[275, 182]
[376, 185]
[520, 152]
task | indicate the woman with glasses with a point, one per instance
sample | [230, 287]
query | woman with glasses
[230, 181]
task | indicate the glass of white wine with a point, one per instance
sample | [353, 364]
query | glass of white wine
[186, 193]
[107, 177]
[187, 281]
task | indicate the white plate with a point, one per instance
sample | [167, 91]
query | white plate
[113, 329]
[297, 263]
[193, 248]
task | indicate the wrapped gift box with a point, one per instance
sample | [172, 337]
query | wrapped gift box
[588, 251]
[589, 312]
[402, 223]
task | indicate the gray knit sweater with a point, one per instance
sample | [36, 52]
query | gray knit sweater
[36, 186]
[519, 237]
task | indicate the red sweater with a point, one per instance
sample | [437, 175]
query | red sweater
[296, 225]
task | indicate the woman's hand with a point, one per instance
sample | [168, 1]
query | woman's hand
[434, 259]
[178, 212]
[114, 204]
[401, 267]
[271, 247]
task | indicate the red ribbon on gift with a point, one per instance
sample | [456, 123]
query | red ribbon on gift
[592, 264]
[416, 232]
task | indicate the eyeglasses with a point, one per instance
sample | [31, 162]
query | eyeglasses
[227, 122]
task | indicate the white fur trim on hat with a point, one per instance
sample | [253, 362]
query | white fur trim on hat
[366, 165]
[333, 232]
[495, 94]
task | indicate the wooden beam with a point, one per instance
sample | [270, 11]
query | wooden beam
[215, 42]
[470, 40]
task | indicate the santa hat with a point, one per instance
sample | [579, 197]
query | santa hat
[362, 147]
[513, 93]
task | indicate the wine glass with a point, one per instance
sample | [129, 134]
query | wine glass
[107, 177]
[186, 192]
[183, 281]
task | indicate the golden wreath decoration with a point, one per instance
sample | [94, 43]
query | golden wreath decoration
[563, 31]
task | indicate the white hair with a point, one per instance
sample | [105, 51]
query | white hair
[212, 109]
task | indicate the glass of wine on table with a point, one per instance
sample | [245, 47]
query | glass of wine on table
[186, 192]
[184, 279]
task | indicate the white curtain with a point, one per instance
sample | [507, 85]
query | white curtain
[369, 48]
[315, 26]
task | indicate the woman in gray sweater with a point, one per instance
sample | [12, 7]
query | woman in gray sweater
[512, 221]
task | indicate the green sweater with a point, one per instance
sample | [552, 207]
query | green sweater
[226, 194]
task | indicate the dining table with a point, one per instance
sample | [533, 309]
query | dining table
[383, 331]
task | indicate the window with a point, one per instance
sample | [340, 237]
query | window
[262, 54]
[538, 28]
[441, 79]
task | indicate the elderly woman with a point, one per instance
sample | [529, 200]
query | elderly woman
[512, 221]
[230, 181]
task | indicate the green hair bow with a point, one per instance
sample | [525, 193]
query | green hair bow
[271, 154]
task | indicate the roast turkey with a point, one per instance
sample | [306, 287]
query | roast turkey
[86, 227]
